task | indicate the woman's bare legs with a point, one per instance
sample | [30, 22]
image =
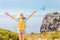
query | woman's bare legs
[21, 35]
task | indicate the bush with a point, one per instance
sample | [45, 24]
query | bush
[8, 35]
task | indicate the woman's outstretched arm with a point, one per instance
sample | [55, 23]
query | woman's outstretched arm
[32, 13]
[9, 15]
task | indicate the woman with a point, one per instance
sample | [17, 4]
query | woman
[21, 19]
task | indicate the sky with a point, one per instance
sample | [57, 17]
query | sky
[27, 6]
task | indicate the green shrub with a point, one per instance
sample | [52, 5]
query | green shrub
[8, 35]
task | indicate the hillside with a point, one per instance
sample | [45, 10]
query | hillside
[8, 35]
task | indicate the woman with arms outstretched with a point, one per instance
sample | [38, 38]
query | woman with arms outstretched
[21, 19]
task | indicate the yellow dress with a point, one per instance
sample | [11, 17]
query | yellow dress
[21, 25]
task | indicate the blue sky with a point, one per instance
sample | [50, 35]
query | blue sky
[27, 6]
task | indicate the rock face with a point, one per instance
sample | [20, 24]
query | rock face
[50, 22]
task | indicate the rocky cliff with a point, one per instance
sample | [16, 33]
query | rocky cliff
[51, 22]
